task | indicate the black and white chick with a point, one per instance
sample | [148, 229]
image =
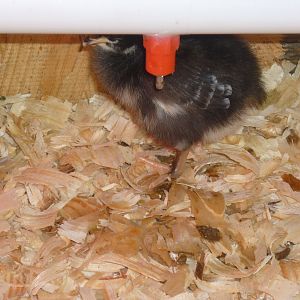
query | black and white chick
[217, 79]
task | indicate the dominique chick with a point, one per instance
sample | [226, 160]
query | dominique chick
[216, 79]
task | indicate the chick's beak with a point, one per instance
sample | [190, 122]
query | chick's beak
[95, 41]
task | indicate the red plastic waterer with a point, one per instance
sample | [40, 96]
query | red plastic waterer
[161, 55]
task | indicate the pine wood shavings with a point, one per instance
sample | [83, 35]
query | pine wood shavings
[142, 288]
[4, 225]
[122, 201]
[292, 181]
[46, 251]
[282, 288]
[273, 76]
[88, 209]
[49, 177]
[185, 238]
[117, 132]
[79, 206]
[243, 157]
[225, 270]
[178, 283]
[87, 294]
[224, 286]
[14, 285]
[109, 156]
[56, 271]
[129, 133]
[34, 219]
[77, 229]
[207, 207]
[137, 265]
[52, 113]
[146, 173]
[9, 200]
[291, 270]
[109, 291]
[291, 225]
[270, 282]
[7, 245]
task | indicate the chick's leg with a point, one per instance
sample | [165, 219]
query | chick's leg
[179, 163]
